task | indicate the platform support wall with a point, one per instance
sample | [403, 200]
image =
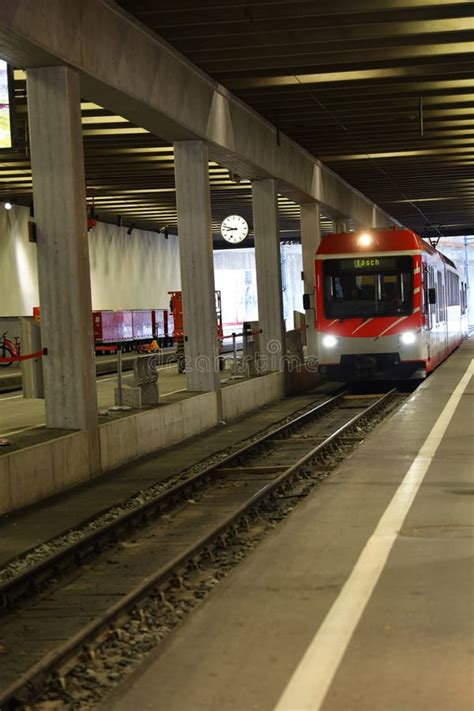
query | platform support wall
[57, 160]
[268, 268]
[193, 200]
[310, 225]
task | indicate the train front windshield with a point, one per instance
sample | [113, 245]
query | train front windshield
[368, 287]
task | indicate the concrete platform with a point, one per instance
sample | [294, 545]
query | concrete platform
[349, 605]
[21, 419]
[40, 461]
[11, 377]
[17, 414]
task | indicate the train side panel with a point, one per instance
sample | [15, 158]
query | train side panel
[158, 323]
[445, 320]
[112, 326]
[142, 324]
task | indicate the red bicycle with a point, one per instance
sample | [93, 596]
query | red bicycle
[9, 349]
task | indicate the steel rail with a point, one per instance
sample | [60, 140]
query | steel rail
[32, 681]
[91, 544]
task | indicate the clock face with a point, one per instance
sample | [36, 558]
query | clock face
[234, 229]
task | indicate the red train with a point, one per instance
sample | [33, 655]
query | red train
[388, 306]
[133, 328]
[130, 328]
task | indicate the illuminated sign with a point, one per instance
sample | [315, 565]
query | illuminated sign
[368, 264]
[5, 112]
[372, 262]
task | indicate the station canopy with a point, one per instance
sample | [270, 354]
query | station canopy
[381, 91]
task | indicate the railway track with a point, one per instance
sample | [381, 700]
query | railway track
[71, 603]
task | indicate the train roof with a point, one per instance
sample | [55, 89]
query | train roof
[384, 240]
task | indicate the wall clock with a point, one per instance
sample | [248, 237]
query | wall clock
[234, 229]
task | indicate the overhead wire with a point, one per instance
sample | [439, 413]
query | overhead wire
[362, 149]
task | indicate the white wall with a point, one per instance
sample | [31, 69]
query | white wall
[127, 271]
[132, 271]
[293, 287]
[235, 276]
[18, 276]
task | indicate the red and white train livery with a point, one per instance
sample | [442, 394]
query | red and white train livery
[388, 305]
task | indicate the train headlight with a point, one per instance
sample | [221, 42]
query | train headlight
[330, 341]
[408, 338]
[365, 240]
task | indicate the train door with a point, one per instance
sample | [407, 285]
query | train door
[427, 308]
[434, 315]
[443, 310]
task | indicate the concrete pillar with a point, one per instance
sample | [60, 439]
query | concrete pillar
[374, 216]
[57, 161]
[193, 200]
[268, 267]
[340, 225]
[310, 239]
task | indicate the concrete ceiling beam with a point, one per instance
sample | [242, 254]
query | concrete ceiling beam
[128, 69]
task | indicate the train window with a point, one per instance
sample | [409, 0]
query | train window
[440, 301]
[463, 298]
[425, 290]
[368, 287]
[452, 289]
[438, 296]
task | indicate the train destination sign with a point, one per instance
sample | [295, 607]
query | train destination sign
[371, 264]
[368, 262]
